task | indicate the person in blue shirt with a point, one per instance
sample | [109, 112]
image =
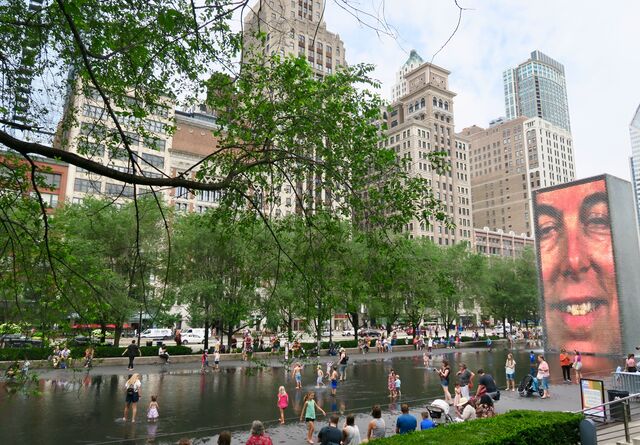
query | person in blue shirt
[405, 422]
[533, 368]
[426, 423]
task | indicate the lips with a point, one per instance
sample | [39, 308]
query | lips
[579, 308]
[579, 315]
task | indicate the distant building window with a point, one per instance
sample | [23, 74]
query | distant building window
[86, 186]
[51, 180]
[49, 199]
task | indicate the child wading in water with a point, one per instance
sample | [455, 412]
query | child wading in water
[205, 361]
[397, 385]
[309, 414]
[319, 381]
[283, 402]
[152, 412]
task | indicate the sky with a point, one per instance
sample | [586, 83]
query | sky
[597, 42]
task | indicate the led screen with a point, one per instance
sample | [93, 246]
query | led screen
[577, 268]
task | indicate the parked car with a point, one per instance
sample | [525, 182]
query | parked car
[193, 338]
[157, 334]
[81, 340]
[18, 341]
[348, 333]
[370, 333]
[325, 333]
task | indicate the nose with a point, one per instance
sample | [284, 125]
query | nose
[577, 260]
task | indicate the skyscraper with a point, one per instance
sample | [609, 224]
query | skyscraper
[537, 88]
[634, 131]
[420, 122]
[399, 89]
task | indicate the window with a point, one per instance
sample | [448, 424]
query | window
[182, 192]
[86, 186]
[155, 144]
[52, 180]
[93, 111]
[156, 161]
[112, 189]
[49, 199]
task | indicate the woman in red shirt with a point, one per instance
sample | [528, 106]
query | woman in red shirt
[565, 363]
[257, 435]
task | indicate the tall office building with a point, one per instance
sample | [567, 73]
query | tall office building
[419, 122]
[634, 131]
[537, 88]
[507, 162]
[295, 28]
[399, 89]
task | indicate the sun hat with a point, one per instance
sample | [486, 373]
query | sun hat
[463, 401]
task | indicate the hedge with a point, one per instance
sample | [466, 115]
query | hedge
[518, 427]
[77, 352]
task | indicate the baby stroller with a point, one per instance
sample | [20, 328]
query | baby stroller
[528, 385]
[439, 412]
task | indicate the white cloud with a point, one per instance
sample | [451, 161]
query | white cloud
[597, 44]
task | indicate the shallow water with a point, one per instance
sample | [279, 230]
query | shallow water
[82, 408]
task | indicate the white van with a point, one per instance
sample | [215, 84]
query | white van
[157, 334]
[197, 331]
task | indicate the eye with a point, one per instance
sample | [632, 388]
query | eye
[597, 221]
[548, 229]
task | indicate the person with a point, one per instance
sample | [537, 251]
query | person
[132, 351]
[204, 361]
[430, 344]
[489, 344]
[543, 376]
[216, 359]
[297, 375]
[630, 364]
[320, 377]
[55, 357]
[163, 354]
[88, 357]
[398, 384]
[350, 431]
[579, 290]
[247, 348]
[457, 395]
[465, 378]
[510, 371]
[330, 434]
[565, 364]
[486, 384]
[224, 438]
[577, 365]
[376, 428]
[485, 407]
[343, 364]
[468, 411]
[405, 423]
[444, 372]
[426, 423]
[533, 368]
[133, 388]
[152, 411]
[65, 356]
[283, 402]
[258, 437]
[308, 412]
[426, 359]
[178, 338]
[391, 383]
[334, 381]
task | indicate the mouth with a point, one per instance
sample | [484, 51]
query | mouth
[579, 309]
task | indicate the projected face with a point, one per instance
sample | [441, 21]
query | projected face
[577, 266]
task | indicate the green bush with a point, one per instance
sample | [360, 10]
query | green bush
[77, 352]
[513, 428]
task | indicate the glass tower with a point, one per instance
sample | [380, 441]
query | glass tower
[537, 88]
[634, 131]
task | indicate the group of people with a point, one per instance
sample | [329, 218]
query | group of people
[60, 358]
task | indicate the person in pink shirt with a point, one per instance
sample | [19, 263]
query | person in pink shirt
[283, 402]
[543, 376]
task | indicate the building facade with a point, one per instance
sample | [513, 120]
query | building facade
[634, 132]
[499, 243]
[421, 122]
[537, 88]
[507, 162]
[399, 89]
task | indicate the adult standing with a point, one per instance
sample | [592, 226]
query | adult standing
[133, 389]
[330, 434]
[132, 352]
[344, 359]
[510, 371]
[444, 373]
[464, 378]
[350, 431]
[430, 344]
[405, 422]
[630, 364]
[178, 338]
[391, 382]
[577, 365]
[533, 368]
[565, 364]
[543, 376]
[376, 428]
[258, 437]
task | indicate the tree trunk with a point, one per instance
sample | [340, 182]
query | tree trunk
[355, 321]
[117, 333]
[103, 332]
[289, 326]
[206, 334]
[504, 327]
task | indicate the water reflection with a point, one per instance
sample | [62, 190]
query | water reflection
[81, 408]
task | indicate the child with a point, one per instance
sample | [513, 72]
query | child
[216, 359]
[456, 399]
[398, 382]
[308, 413]
[283, 402]
[205, 361]
[425, 359]
[152, 412]
[319, 382]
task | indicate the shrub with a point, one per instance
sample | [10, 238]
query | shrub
[515, 427]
